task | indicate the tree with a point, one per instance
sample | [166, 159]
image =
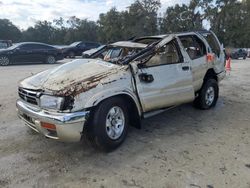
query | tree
[230, 21]
[9, 31]
[43, 31]
[110, 26]
[142, 17]
[183, 17]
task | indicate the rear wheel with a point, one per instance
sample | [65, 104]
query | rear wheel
[208, 95]
[108, 125]
[4, 61]
[51, 59]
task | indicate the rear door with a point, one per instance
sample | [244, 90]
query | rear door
[165, 79]
[196, 54]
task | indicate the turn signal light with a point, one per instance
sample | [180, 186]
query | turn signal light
[48, 126]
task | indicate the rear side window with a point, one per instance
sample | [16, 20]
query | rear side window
[193, 46]
[215, 47]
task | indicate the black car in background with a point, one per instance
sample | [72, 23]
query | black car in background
[30, 52]
[239, 53]
[5, 44]
[77, 48]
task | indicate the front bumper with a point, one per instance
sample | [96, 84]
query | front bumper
[69, 126]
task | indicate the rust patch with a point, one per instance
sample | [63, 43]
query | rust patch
[76, 88]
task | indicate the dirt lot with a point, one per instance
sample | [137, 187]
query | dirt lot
[181, 148]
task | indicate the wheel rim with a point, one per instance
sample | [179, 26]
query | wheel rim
[51, 60]
[4, 61]
[115, 122]
[210, 96]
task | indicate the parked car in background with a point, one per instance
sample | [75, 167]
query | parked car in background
[97, 98]
[30, 52]
[239, 53]
[5, 44]
[77, 48]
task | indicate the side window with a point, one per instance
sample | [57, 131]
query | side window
[39, 47]
[81, 45]
[215, 47]
[112, 53]
[115, 53]
[194, 46]
[168, 54]
[91, 45]
[27, 47]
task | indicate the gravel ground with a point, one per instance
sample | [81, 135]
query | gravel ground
[181, 148]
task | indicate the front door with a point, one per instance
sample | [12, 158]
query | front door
[165, 79]
[25, 54]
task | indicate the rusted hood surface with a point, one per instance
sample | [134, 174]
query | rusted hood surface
[71, 78]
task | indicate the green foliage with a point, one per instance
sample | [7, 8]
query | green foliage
[8, 31]
[229, 19]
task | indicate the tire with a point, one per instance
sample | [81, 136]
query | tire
[100, 130]
[244, 57]
[208, 95]
[51, 60]
[4, 61]
[72, 55]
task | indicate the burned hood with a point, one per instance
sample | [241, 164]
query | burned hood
[71, 78]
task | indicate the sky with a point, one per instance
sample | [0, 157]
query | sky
[25, 13]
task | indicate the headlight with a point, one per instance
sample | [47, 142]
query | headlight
[51, 102]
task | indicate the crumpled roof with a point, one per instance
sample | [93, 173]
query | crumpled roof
[129, 44]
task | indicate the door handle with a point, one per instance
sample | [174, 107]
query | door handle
[185, 68]
[148, 78]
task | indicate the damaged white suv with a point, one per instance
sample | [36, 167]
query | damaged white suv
[97, 98]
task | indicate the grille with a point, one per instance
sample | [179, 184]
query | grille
[28, 96]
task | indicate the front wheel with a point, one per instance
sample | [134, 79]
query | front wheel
[208, 95]
[108, 125]
[51, 60]
[4, 61]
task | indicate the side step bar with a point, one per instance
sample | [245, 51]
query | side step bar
[155, 112]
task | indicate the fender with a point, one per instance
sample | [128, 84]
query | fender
[99, 97]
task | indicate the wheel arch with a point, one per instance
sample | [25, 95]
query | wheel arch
[210, 74]
[134, 109]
